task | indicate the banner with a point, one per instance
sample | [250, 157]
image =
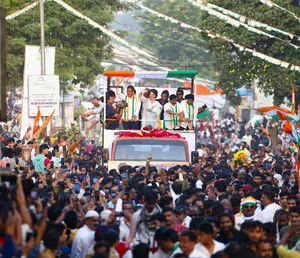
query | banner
[43, 93]
[32, 66]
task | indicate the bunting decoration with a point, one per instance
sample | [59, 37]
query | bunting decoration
[19, 12]
[254, 53]
[161, 37]
[272, 4]
[235, 22]
[251, 22]
[104, 30]
[120, 40]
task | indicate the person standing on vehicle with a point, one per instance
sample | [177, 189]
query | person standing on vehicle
[131, 112]
[164, 99]
[173, 114]
[188, 109]
[179, 95]
[113, 116]
[94, 114]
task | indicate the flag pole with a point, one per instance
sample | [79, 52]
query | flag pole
[293, 100]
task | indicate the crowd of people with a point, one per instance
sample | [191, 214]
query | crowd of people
[60, 201]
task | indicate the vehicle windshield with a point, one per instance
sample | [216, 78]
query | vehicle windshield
[161, 150]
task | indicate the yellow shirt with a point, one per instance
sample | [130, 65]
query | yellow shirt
[283, 252]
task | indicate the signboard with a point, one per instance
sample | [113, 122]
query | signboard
[32, 66]
[44, 93]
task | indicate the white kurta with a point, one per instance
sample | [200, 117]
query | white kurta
[269, 211]
[205, 253]
[133, 108]
[171, 121]
[189, 112]
[83, 240]
[150, 112]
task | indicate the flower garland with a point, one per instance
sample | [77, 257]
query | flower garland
[254, 53]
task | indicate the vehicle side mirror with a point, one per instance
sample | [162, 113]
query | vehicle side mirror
[195, 157]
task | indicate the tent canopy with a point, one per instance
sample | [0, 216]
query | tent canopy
[153, 74]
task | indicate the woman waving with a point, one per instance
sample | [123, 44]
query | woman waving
[151, 108]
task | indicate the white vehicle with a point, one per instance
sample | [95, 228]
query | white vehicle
[134, 149]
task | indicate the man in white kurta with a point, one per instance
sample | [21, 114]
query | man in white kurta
[188, 109]
[131, 112]
[85, 236]
[267, 199]
[172, 114]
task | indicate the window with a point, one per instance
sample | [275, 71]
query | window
[140, 149]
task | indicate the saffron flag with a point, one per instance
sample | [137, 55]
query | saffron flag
[37, 120]
[45, 124]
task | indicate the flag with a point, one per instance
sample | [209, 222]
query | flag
[293, 100]
[289, 128]
[44, 126]
[298, 171]
[37, 121]
[272, 112]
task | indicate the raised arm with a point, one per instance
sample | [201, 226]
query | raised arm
[142, 97]
[120, 95]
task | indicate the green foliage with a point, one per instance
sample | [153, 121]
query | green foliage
[234, 68]
[77, 112]
[168, 47]
[67, 131]
[79, 46]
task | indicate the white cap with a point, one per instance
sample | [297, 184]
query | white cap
[199, 184]
[279, 179]
[91, 213]
[105, 214]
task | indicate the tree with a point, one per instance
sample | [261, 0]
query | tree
[234, 68]
[79, 46]
[177, 47]
[237, 68]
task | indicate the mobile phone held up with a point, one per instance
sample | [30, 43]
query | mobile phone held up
[107, 191]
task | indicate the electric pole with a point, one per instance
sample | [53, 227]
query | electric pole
[42, 19]
[3, 103]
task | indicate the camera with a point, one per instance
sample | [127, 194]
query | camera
[121, 104]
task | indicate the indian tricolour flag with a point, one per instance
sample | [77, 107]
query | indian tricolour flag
[289, 128]
[272, 112]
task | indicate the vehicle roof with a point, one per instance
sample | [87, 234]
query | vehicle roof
[153, 74]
